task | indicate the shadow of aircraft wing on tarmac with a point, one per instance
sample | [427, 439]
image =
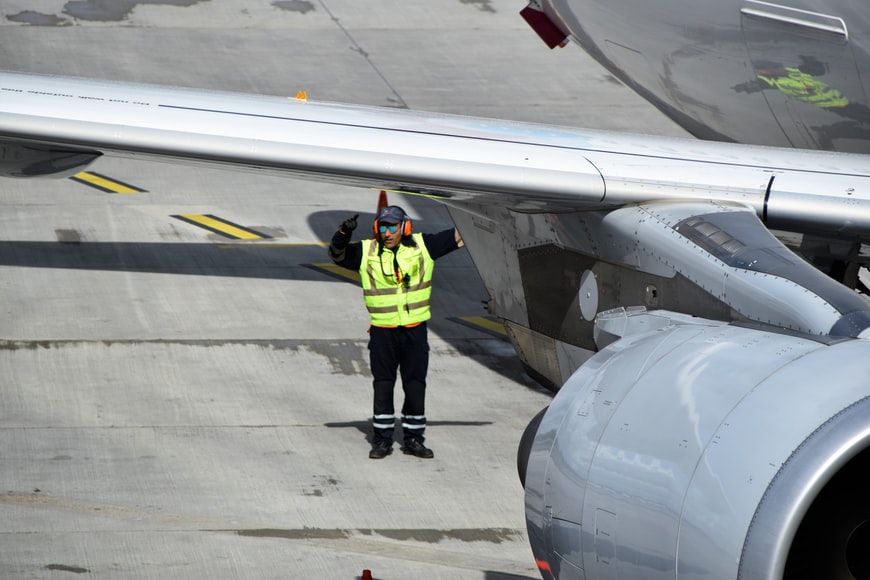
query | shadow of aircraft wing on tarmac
[272, 261]
[246, 260]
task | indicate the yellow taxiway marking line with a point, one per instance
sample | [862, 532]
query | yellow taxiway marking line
[104, 183]
[338, 271]
[221, 226]
[273, 245]
[489, 324]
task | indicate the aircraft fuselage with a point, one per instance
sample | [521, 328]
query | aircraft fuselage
[788, 74]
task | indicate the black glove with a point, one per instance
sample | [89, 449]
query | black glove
[349, 225]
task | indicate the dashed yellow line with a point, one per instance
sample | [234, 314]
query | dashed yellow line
[104, 183]
[337, 271]
[485, 323]
[221, 226]
[272, 246]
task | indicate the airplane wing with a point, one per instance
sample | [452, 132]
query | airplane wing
[714, 414]
[49, 123]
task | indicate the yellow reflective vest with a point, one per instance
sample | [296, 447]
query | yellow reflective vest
[396, 296]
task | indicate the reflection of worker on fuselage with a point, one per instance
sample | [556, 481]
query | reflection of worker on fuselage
[802, 83]
[803, 86]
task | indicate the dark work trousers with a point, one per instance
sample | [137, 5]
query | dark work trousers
[407, 350]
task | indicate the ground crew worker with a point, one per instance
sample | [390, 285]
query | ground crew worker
[396, 273]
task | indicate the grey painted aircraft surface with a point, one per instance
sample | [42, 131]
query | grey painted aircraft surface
[790, 74]
[711, 419]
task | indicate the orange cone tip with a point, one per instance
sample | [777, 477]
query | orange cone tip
[382, 203]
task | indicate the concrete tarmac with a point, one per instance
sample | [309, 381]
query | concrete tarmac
[179, 404]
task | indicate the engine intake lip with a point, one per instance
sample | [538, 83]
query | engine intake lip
[820, 466]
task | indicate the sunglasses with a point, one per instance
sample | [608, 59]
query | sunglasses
[392, 229]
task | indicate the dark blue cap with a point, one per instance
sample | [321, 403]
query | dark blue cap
[392, 214]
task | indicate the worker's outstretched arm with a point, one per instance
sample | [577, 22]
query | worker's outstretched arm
[338, 247]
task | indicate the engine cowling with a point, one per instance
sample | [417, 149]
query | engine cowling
[706, 450]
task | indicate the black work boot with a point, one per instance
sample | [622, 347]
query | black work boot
[381, 449]
[417, 449]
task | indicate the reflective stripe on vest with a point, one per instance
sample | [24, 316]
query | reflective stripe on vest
[392, 302]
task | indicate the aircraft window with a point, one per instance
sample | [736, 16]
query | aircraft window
[726, 242]
[702, 227]
[733, 246]
[738, 239]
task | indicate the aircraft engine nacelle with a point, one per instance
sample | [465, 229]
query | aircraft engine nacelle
[705, 450]
[21, 159]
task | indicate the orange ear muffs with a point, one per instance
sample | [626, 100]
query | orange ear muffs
[405, 227]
